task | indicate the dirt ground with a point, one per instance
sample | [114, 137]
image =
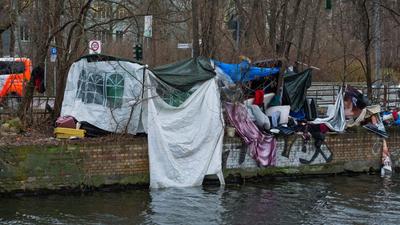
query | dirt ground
[45, 136]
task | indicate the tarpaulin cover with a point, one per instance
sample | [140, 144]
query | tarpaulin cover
[185, 74]
[244, 72]
[262, 146]
[185, 142]
[336, 121]
[295, 89]
[105, 93]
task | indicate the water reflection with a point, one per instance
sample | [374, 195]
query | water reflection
[185, 206]
[333, 200]
[97, 208]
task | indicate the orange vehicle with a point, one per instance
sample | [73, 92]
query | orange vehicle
[14, 74]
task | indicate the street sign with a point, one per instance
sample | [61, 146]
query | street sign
[184, 45]
[53, 54]
[53, 50]
[148, 29]
[94, 47]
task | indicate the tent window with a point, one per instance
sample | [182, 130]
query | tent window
[114, 90]
[94, 89]
[81, 85]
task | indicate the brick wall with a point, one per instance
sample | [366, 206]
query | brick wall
[70, 166]
[116, 159]
[356, 150]
[81, 165]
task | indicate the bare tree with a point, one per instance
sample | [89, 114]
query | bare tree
[208, 27]
[195, 29]
[363, 34]
[314, 30]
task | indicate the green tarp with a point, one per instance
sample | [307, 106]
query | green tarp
[185, 74]
[295, 89]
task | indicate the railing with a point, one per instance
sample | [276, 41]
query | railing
[41, 107]
[388, 97]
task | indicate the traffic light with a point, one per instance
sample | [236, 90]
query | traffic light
[138, 52]
[328, 4]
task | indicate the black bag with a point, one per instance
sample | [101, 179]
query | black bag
[92, 131]
[310, 109]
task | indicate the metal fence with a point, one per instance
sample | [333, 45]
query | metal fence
[388, 97]
[41, 107]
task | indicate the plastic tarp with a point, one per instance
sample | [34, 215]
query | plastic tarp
[336, 121]
[106, 94]
[185, 74]
[295, 89]
[185, 142]
[244, 72]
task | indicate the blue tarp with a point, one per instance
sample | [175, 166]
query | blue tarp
[244, 71]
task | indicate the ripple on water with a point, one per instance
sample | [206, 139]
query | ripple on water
[334, 200]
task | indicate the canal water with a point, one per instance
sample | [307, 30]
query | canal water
[363, 199]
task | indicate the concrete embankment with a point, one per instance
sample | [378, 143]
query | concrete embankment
[86, 165]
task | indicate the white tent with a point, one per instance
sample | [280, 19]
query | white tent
[105, 92]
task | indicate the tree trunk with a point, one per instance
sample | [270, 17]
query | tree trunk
[272, 21]
[377, 37]
[260, 29]
[195, 29]
[1, 43]
[12, 40]
[282, 37]
[208, 28]
[299, 57]
[61, 82]
[240, 18]
[73, 41]
[249, 30]
[39, 35]
[291, 28]
[314, 31]
[368, 71]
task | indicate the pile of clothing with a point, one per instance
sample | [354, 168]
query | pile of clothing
[263, 115]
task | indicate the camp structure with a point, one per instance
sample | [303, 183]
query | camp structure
[105, 92]
[178, 106]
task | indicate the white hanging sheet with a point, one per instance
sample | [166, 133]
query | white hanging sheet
[185, 142]
[336, 121]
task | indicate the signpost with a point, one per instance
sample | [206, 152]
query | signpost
[53, 54]
[53, 58]
[94, 47]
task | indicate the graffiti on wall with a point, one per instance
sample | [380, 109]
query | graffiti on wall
[291, 152]
[310, 149]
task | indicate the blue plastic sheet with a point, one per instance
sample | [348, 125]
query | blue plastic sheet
[244, 71]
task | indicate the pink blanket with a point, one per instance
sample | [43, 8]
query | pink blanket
[262, 146]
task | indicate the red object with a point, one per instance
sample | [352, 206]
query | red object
[395, 115]
[323, 128]
[259, 97]
[66, 122]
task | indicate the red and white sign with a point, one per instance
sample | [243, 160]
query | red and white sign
[94, 47]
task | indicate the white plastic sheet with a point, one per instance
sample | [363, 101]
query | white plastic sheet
[336, 121]
[185, 142]
[112, 119]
